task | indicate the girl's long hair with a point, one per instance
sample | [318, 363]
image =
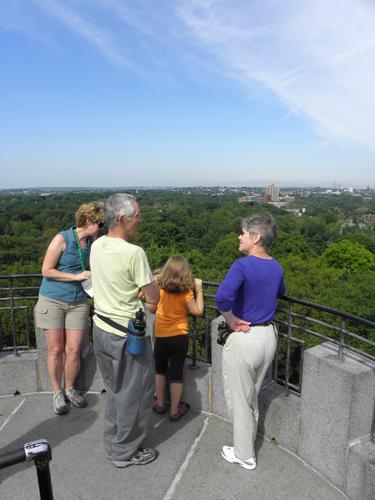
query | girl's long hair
[176, 275]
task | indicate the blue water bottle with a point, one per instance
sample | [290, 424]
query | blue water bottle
[135, 343]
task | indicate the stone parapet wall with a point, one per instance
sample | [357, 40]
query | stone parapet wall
[19, 374]
[337, 403]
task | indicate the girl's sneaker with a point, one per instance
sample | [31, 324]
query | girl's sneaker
[227, 453]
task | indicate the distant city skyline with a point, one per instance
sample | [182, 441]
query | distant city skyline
[231, 185]
[109, 93]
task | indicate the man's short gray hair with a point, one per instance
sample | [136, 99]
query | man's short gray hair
[116, 206]
[263, 224]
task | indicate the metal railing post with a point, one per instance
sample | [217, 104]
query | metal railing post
[341, 339]
[40, 452]
[27, 323]
[44, 476]
[194, 339]
[13, 316]
[207, 345]
[372, 436]
[287, 361]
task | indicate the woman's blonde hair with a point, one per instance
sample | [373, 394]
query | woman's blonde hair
[93, 211]
[176, 275]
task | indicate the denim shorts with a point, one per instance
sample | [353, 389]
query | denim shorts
[52, 314]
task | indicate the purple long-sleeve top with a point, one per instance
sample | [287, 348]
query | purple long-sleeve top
[251, 288]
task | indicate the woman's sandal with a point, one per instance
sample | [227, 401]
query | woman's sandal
[182, 410]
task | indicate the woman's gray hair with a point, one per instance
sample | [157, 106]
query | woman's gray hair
[116, 206]
[263, 224]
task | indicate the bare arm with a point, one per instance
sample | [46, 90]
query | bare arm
[53, 254]
[196, 305]
[151, 294]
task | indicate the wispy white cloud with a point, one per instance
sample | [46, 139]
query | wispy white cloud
[316, 57]
[137, 36]
[135, 17]
[93, 32]
[18, 17]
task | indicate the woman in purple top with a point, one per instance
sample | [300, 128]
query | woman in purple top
[247, 298]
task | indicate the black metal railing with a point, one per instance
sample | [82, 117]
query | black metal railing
[18, 294]
[40, 452]
[302, 324]
[294, 316]
[200, 328]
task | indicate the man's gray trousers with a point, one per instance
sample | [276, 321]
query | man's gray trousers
[129, 382]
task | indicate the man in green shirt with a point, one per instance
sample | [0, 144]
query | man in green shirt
[120, 272]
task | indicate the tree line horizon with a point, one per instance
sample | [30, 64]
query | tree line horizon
[324, 261]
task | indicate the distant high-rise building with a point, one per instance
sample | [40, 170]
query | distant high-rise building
[273, 192]
[250, 198]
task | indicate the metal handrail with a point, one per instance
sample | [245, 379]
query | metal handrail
[210, 311]
[40, 452]
[341, 331]
[331, 310]
[28, 275]
[202, 343]
[11, 304]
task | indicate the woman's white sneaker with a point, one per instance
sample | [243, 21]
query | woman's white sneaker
[227, 452]
[75, 398]
[59, 404]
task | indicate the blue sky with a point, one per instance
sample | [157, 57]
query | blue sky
[187, 92]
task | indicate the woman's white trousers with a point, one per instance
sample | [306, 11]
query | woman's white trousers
[246, 359]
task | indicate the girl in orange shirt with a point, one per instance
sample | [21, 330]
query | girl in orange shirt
[171, 330]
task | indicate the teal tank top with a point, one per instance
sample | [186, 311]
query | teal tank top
[69, 262]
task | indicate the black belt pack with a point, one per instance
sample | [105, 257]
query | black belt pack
[224, 331]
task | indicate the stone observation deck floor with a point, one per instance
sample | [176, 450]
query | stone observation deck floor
[189, 465]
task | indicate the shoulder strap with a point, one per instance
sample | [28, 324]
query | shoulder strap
[79, 250]
[112, 323]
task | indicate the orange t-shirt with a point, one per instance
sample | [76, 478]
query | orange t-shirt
[172, 314]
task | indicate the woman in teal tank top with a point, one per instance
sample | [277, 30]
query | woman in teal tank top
[62, 309]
